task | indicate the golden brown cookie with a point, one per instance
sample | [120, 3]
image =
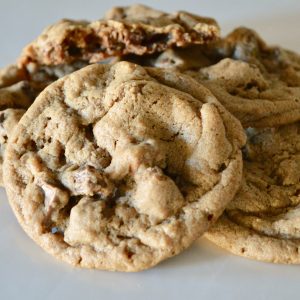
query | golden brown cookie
[263, 221]
[119, 167]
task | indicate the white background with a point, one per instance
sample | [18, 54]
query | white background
[202, 272]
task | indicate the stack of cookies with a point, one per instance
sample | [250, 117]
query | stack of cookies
[125, 139]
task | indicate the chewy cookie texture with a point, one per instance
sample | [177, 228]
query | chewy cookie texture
[121, 166]
[126, 162]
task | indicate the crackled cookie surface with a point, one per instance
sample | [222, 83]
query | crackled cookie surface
[263, 221]
[118, 167]
[135, 29]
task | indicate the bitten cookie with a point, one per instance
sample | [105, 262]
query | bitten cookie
[135, 29]
[263, 221]
[119, 167]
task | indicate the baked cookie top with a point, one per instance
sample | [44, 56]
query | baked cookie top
[135, 29]
[118, 166]
[263, 221]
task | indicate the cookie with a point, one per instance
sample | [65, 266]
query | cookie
[119, 167]
[135, 29]
[262, 222]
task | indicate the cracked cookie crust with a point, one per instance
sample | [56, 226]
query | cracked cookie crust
[119, 167]
[263, 220]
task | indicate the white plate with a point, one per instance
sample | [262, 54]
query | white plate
[203, 271]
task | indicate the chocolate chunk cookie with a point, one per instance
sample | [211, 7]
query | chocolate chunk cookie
[119, 167]
[263, 221]
[135, 29]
